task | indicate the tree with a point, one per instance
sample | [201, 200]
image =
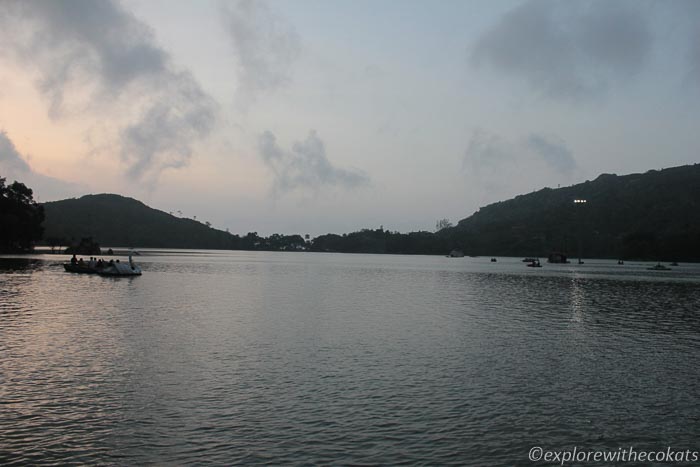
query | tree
[20, 217]
[442, 224]
[55, 242]
[87, 246]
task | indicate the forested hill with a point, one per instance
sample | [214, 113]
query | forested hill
[651, 215]
[114, 220]
[655, 215]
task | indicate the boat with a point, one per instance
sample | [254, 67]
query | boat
[493, 260]
[120, 269]
[528, 260]
[535, 263]
[659, 267]
[456, 254]
[675, 263]
[112, 268]
[77, 268]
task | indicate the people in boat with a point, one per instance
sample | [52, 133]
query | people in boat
[73, 260]
[81, 263]
[92, 263]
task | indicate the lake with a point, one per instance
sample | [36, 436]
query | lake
[310, 358]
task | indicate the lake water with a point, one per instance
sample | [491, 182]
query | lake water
[307, 359]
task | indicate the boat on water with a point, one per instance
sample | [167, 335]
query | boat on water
[659, 267]
[120, 269]
[456, 254]
[79, 269]
[535, 263]
[111, 268]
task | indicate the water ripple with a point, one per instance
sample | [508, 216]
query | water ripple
[256, 358]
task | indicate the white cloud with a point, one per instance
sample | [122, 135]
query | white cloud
[266, 46]
[306, 166]
[99, 48]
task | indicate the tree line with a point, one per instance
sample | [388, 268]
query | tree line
[652, 216]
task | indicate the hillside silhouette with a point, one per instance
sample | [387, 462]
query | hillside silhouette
[119, 221]
[655, 215]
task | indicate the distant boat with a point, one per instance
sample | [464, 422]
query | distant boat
[456, 254]
[529, 260]
[535, 263]
[659, 267]
[675, 263]
[493, 260]
[619, 261]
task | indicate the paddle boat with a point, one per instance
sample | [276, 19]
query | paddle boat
[120, 269]
[79, 269]
[111, 268]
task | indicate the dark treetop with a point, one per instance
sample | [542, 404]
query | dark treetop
[20, 217]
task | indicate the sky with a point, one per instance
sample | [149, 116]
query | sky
[316, 116]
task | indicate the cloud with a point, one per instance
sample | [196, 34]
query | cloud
[10, 159]
[305, 166]
[266, 46]
[96, 47]
[499, 168]
[164, 134]
[568, 49]
[555, 153]
[486, 151]
[690, 11]
[14, 167]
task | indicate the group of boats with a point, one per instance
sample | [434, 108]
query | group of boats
[103, 268]
[532, 262]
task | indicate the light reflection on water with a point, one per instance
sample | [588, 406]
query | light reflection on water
[243, 357]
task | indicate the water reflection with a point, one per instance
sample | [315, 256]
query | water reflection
[9, 265]
[313, 359]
